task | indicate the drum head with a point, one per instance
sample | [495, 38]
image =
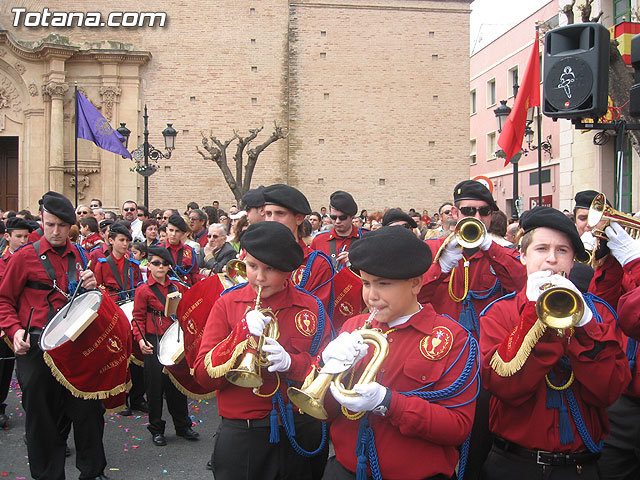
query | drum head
[127, 308]
[171, 345]
[84, 306]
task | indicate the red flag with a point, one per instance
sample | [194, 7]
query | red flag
[512, 134]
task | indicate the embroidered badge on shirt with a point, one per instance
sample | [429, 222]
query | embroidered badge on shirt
[296, 276]
[191, 327]
[437, 346]
[306, 322]
[345, 308]
[114, 344]
[187, 252]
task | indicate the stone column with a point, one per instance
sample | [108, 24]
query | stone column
[56, 92]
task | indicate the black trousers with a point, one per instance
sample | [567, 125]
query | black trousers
[135, 396]
[336, 471]
[481, 437]
[50, 408]
[501, 465]
[243, 452]
[6, 372]
[620, 458]
[157, 385]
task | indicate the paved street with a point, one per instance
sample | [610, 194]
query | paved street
[130, 453]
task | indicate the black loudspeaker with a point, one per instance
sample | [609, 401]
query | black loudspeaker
[634, 93]
[576, 71]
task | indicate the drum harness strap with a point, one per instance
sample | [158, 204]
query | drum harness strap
[163, 300]
[72, 276]
[122, 282]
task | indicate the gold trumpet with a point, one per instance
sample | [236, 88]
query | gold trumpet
[470, 233]
[248, 372]
[310, 399]
[600, 210]
[236, 271]
[559, 308]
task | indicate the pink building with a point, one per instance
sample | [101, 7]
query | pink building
[495, 69]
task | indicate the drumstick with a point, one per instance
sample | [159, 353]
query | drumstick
[75, 293]
[26, 331]
[142, 334]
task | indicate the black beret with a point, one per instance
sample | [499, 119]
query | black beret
[178, 222]
[555, 219]
[58, 205]
[288, 197]
[581, 275]
[472, 190]
[396, 215]
[274, 244]
[17, 223]
[105, 223]
[254, 198]
[118, 228]
[584, 198]
[161, 252]
[2, 227]
[391, 252]
[344, 202]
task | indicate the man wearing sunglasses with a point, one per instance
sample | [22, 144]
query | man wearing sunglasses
[462, 282]
[198, 221]
[337, 241]
[130, 213]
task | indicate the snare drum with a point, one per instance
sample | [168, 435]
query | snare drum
[127, 308]
[171, 346]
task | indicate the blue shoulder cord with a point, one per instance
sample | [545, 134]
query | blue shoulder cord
[194, 262]
[365, 446]
[556, 398]
[305, 278]
[73, 284]
[286, 409]
[468, 315]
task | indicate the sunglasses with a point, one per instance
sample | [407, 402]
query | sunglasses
[447, 212]
[213, 236]
[341, 217]
[84, 212]
[94, 206]
[141, 215]
[158, 263]
[471, 211]
[129, 209]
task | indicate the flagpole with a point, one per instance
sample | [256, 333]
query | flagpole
[539, 120]
[76, 141]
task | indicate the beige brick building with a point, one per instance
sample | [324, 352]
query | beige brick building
[373, 94]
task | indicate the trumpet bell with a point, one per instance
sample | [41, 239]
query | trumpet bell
[596, 210]
[311, 399]
[600, 211]
[246, 374]
[560, 308]
[237, 271]
[470, 232]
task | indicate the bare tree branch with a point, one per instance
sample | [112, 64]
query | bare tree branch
[253, 153]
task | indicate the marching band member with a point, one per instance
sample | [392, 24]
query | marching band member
[462, 282]
[253, 202]
[549, 388]
[116, 273]
[420, 409]
[184, 256]
[41, 275]
[288, 205]
[250, 441]
[337, 241]
[16, 235]
[150, 323]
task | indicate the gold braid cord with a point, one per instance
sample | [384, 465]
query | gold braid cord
[506, 369]
[184, 391]
[100, 395]
[217, 371]
[8, 342]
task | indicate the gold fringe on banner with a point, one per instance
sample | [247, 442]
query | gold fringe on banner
[220, 370]
[102, 394]
[8, 342]
[506, 369]
[184, 391]
[135, 361]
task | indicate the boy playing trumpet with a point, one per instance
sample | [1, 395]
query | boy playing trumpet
[250, 441]
[409, 423]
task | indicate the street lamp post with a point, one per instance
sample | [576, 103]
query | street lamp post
[501, 113]
[147, 151]
[541, 146]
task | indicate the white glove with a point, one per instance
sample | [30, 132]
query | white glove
[558, 281]
[256, 322]
[589, 241]
[622, 246]
[486, 243]
[535, 281]
[343, 352]
[450, 256]
[370, 395]
[278, 357]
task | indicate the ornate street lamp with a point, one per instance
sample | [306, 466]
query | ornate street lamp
[147, 151]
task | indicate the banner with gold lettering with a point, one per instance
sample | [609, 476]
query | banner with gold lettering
[96, 364]
[348, 297]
